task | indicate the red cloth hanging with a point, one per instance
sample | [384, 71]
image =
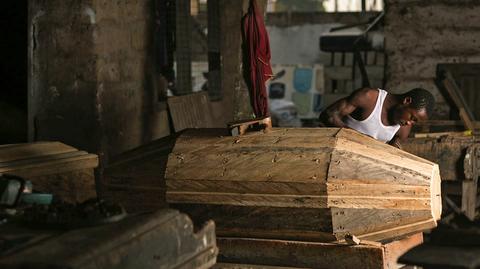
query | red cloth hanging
[256, 52]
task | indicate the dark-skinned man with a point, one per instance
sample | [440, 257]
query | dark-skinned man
[384, 116]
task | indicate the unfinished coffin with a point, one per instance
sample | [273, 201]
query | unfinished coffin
[309, 184]
[136, 178]
[52, 167]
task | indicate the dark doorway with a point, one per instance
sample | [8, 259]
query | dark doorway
[13, 66]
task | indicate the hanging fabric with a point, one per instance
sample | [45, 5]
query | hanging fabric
[256, 53]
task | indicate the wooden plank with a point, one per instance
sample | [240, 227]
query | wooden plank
[256, 165]
[323, 225]
[436, 194]
[273, 138]
[448, 82]
[365, 169]
[327, 255]
[41, 159]
[13, 152]
[190, 111]
[272, 187]
[53, 167]
[365, 223]
[309, 201]
[395, 249]
[377, 190]
[469, 198]
[355, 142]
[312, 255]
[400, 230]
[264, 222]
[253, 187]
[240, 145]
[221, 265]
[215, 133]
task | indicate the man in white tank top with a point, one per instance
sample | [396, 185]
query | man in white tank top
[379, 114]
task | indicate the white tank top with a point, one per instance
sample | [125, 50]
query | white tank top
[372, 125]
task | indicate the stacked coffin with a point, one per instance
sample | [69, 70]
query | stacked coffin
[52, 167]
[311, 185]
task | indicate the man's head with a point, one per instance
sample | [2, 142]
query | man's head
[416, 105]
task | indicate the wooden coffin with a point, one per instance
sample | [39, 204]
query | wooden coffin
[136, 178]
[52, 167]
[161, 240]
[303, 184]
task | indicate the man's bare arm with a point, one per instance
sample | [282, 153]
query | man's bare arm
[332, 116]
[401, 136]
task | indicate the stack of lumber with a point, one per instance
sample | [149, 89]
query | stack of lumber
[52, 167]
[288, 198]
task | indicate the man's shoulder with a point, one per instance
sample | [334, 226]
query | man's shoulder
[368, 91]
[365, 95]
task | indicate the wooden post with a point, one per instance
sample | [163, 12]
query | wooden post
[226, 82]
[183, 48]
[448, 82]
[471, 166]
[214, 59]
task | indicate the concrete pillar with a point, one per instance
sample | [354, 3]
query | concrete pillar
[91, 75]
